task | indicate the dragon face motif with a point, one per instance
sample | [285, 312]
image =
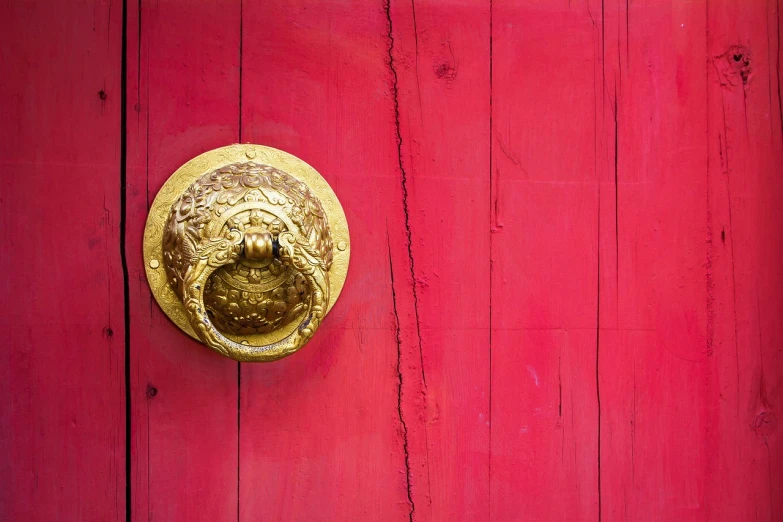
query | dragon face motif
[248, 296]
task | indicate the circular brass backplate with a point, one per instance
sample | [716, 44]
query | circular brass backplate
[207, 162]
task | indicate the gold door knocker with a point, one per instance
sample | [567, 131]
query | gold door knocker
[246, 248]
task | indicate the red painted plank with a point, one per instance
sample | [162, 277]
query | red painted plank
[745, 250]
[621, 361]
[62, 417]
[183, 99]
[656, 381]
[686, 374]
[320, 433]
[634, 373]
[441, 62]
[546, 95]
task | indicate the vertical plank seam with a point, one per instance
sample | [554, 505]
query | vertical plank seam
[492, 205]
[627, 36]
[123, 251]
[560, 402]
[241, 50]
[769, 76]
[777, 69]
[603, 45]
[239, 364]
[618, 84]
[598, 247]
[138, 111]
[147, 201]
[239, 394]
[597, 351]
[403, 424]
[598, 281]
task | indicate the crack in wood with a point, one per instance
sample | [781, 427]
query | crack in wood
[400, 416]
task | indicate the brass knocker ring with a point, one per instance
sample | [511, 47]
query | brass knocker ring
[246, 237]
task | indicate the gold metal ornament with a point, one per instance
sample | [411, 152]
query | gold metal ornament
[246, 249]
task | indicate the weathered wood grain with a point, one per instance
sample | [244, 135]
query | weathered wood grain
[687, 373]
[565, 294]
[320, 432]
[183, 99]
[546, 143]
[744, 476]
[62, 416]
[440, 62]
[655, 377]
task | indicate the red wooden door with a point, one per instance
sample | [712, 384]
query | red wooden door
[565, 299]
